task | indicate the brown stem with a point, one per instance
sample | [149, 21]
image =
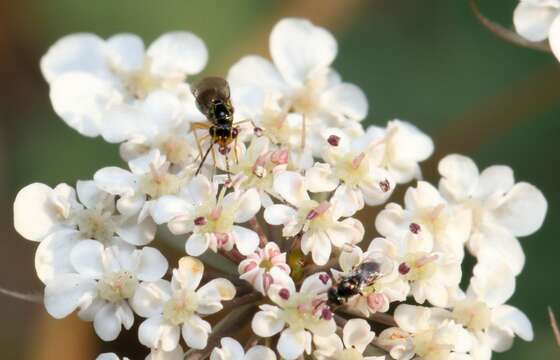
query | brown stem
[249, 298]
[256, 227]
[507, 34]
[32, 298]
[380, 318]
[554, 325]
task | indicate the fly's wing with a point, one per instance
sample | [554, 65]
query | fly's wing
[368, 270]
[208, 90]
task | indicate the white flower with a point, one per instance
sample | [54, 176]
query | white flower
[211, 220]
[356, 163]
[232, 350]
[502, 209]
[257, 267]
[389, 286]
[175, 308]
[300, 85]
[304, 313]
[356, 336]
[483, 313]
[318, 222]
[427, 216]
[425, 334]
[59, 221]
[89, 76]
[103, 281]
[432, 276]
[257, 166]
[141, 188]
[405, 146]
[156, 123]
[538, 20]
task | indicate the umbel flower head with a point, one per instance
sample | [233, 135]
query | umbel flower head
[268, 227]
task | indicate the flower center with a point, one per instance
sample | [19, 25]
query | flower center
[474, 315]
[426, 347]
[352, 168]
[94, 224]
[418, 266]
[159, 182]
[117, 286]
[140, 83]
[266, 264]
[180, 307]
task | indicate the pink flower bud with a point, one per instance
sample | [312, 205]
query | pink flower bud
[279, 157]
[267, 281]
[375, 302]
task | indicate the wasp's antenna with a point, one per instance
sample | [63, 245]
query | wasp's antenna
[204, 158]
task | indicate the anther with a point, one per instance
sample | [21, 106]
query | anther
[404, 268]
[199, 221]
[333, 140]
[414, 228]
[284, 294]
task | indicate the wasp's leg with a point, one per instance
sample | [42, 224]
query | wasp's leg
[199, 126]
[235, 150]
[214, 160]
[204, 158]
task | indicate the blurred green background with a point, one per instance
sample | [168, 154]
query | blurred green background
[429, 62]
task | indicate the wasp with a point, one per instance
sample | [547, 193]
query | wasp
[361, 277]
[212, 96]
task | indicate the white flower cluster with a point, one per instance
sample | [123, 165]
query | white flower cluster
[539, 20]
[282, 206]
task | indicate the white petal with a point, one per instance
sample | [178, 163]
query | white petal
[149, 298]
[291, 186]
[249, 204]
[189, 273]
[196, 244]
[423, 196]
[168, 207]
[35, 216]
[493, 281]
[246, 240]
[357, 334]
[231, 350]
[218, 289]
[278, 214]
[107, 324]
[532, 21]
[255, 71]
[292, 343]
[155, 332]
[66, 292]
[313, 285]
[512, 319]
[260, 352]
[523, 210]
[412, 318]
[81, 99]
[320, 247]
[126, 52]
[267, 323]
[153, 265]
[178, 53]
[135, 233]
[346, 102]
[349, 259]
[87, 258]
[53, 254]
[320, 178]
[74, 53]
[131, 205]
[554, 37]
[497, 179]
[498, 244]
[116, 181]
[195, 332]
[459, 176]
[299, 49]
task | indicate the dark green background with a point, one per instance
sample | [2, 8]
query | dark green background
[426, 61]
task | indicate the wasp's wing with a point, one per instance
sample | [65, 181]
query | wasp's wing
[208, 90]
